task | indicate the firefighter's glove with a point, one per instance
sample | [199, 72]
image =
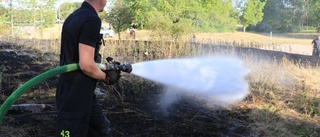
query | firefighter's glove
[112, 76]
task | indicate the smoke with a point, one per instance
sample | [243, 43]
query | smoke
[170, 96]
[216, 79]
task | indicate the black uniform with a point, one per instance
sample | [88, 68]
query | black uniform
[79, 114]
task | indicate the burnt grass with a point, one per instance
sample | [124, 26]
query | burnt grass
[131, 113]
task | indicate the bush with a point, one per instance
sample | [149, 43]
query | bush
[4, 29]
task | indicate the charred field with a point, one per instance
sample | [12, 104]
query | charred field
[135, 113]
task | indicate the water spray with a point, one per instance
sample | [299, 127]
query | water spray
[220, 79]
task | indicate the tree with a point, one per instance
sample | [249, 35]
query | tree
[121, 16]
[287, 15]
[252, 13]
[144, 11]
[4, 19]
[65, 9]
[221, 15]
[11, 17]
[314, 16]
[272, 16]
[3, 14]
[202, 15]
[103, 15]
[41, 12]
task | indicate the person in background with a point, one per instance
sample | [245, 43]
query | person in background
[79, 113]
[132, 33]
[316, 47]
[194, 39]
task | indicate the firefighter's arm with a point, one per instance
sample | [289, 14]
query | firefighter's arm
[87, 64]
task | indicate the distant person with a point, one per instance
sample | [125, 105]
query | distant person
[316, 47]
[109, 26]
[132, 33]
[194, 39]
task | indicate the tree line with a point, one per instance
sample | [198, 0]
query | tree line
[175, 17]
[290, 16]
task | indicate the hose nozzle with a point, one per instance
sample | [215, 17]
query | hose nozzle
[125, 68]
[113, 65]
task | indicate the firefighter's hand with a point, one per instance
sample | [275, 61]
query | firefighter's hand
[112, 76]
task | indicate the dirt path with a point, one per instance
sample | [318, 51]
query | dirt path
[292, 48]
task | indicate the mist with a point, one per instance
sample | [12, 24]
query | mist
[220, 80]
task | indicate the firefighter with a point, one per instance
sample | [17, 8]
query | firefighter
[79, 113]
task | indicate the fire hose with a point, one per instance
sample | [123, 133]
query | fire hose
[111, 65]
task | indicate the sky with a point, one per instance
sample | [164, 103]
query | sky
[6, 3]
[107, 6]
